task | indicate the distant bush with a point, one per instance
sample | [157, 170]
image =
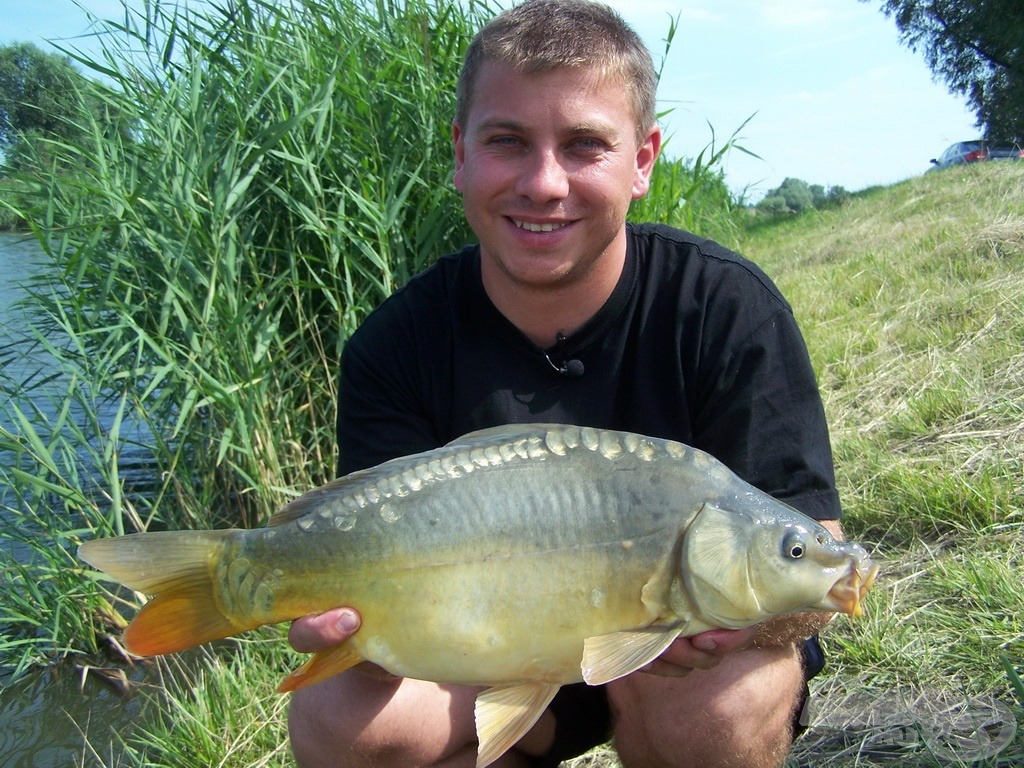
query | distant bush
[797, 196]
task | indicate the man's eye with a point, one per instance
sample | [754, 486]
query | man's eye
[589, 145]
[504, 141]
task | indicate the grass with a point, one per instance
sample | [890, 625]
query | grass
[208, 256]
[912, 301]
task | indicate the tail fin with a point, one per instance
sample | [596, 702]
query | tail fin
[176, 567]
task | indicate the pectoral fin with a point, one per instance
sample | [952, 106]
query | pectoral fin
[609, 657]
[322, 665]
[504, 714]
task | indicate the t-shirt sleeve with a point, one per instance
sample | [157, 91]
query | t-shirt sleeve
[378, 418]
[389, 397]
[761, 413]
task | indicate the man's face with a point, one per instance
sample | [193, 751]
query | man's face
[547, 165]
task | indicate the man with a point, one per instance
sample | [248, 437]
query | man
[564, 313]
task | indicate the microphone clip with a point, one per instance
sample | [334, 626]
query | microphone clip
[573, 368]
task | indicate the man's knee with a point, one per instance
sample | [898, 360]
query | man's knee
[361, 721]
[738, 714]
[332, 724]
[318, 736]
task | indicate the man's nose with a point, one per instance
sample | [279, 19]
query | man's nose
[543, 177]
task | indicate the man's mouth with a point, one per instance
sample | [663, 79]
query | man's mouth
[530, 226]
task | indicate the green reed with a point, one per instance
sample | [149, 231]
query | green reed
[273, 173]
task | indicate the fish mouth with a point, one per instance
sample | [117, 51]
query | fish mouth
[848, 592]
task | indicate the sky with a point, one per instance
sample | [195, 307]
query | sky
[819, 90]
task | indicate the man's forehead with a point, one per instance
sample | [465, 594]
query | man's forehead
[587, 75]
[506, 104]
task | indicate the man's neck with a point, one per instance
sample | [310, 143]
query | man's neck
[541, 313]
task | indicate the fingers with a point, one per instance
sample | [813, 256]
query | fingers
[703, 651]
[319, 631]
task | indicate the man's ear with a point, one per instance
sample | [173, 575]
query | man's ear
[646, 155]
[460, 155]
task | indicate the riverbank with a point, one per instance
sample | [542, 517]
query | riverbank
[913, 308]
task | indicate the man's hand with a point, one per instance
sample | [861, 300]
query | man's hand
[320, 631]
[703, 651]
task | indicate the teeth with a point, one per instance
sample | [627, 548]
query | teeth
[537, 227]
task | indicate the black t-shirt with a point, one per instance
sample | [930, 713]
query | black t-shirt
[695, 344]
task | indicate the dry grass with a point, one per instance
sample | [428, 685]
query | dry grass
[912, 302]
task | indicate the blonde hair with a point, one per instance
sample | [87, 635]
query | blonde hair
[543, 35]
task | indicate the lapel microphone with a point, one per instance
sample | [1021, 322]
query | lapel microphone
[571, 369]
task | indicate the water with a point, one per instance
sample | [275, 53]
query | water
[55, 719]
[52, 718]
[20, 259]
[24, 366]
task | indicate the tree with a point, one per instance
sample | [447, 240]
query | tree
[792, 196]
[773, 204]
[977, 48]
[40, 94]
[797, 196]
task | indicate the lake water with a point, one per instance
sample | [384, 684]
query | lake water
[50, 719]
[20, 258]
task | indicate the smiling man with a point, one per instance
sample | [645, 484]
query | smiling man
[566, 313]
[546, 182]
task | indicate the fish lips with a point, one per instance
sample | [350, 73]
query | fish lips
[847, 594]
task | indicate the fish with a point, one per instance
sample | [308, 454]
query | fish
[518, 558]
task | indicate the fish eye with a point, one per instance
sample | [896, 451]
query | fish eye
[793, 546]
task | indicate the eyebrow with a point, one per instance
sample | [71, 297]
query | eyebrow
[503, 124]
[500, 124]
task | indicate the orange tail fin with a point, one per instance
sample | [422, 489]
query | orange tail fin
[176, 567]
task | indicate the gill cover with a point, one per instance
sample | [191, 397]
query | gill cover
[715, 570]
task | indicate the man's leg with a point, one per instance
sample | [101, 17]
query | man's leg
[737, 715]
[363, 721]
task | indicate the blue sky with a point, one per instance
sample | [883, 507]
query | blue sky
[832, 96]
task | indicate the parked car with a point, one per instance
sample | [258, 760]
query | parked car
[975, 151]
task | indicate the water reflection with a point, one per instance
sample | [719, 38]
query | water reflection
[53, 719]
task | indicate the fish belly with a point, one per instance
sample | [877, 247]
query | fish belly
[485, 623]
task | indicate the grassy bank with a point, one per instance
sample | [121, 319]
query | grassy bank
[912, 301]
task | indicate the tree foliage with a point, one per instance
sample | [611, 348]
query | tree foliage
[40, 93]
[797, 196]
[977, 48]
